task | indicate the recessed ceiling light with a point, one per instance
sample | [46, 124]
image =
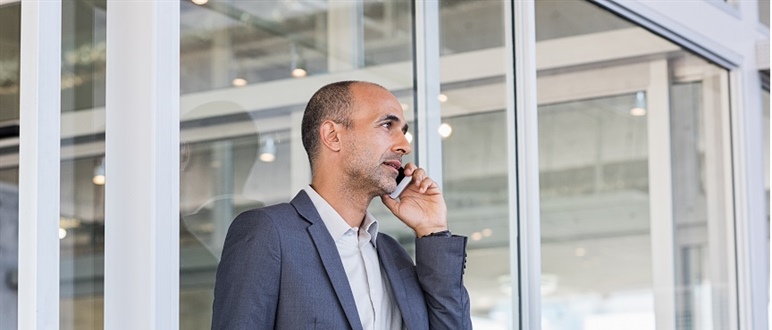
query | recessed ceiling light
[239, 82]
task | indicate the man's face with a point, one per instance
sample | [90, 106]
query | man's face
[375, 143]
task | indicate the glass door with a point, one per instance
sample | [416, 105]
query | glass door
[635, 177]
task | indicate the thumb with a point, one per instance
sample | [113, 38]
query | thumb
[390, 203]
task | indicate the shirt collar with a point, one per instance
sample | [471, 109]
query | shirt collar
[334, 222]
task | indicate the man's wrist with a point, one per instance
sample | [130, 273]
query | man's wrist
[425, 231]
[442, 233]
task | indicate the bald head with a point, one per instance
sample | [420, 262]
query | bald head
[333, 102]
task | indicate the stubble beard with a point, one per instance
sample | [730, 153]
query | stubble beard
[372, 180]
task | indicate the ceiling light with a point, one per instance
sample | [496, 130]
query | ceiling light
[62, 233]
[442, 98]
[299, 73]
[445, 130]
[487, 232]
[580, 252]
[409, 137]
[99, 173]
[239, 82]
[404, 106]
[200, 2]
[268, 151]
[476, 236]
[297, 62]
[640, 105]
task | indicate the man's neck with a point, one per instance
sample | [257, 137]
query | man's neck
[350, 205]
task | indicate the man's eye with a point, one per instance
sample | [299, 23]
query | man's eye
[386, 125]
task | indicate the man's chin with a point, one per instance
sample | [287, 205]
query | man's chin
[388, 187]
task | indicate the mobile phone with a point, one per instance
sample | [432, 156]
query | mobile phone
[402, 182]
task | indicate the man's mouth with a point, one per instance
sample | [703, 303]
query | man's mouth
[396, 164]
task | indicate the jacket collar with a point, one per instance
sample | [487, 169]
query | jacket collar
[328, 253]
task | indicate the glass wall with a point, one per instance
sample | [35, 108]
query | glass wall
[766, 122]
[474, 150]
[247, 70]
[9, 163]
[637, 223]
[81, 225]
[82, 222]
[633, 144]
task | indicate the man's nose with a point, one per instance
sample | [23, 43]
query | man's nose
[403, 145]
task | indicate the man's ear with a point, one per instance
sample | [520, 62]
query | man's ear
[330, 133]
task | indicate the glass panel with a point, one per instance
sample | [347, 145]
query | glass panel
[236, 43]
[766, 144]
[81, 224]
[474, 151]
[247, 70]
[9, 245]
[470, 25]
[765, 111]
[632, 147]
[9, 163]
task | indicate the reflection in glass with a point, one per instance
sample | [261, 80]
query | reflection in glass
[237, 43]
[247, 70]
[594, 212]
[9, 171]
[475, 161]
[81, 225]
[765, 110]
[475, 171]
[631, 149]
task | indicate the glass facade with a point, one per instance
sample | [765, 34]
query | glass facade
[82, 184]
[240, 143]
[628, 160]
[474, 152]
[637, 212]
[247, 70]
[10, 52]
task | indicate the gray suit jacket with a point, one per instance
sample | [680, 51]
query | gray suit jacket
[280, 269]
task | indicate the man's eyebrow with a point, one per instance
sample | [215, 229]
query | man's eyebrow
[394, 118]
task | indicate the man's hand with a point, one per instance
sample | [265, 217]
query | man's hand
[421, 205]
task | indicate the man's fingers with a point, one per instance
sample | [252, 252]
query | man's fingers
[389, 202]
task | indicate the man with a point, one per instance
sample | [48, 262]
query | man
[319, 262]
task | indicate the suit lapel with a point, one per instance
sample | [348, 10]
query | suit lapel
[328, 253]
[395, 281]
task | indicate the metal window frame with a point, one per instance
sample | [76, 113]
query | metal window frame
[426, 85]
[523, 154]
[714, 38]
[142, 157]
[39, 164]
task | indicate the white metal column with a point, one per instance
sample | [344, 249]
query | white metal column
[661, 196]
[523, 148]
[752, 257]
[345, 46]
[142, 165]
[39, 151]
[427, 87]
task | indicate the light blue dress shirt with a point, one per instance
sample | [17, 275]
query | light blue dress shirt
[357, 248]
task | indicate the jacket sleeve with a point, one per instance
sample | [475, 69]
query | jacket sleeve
[246, 289]
[440, 263]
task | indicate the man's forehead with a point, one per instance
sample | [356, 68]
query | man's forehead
[369, 95]
[365, 89]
